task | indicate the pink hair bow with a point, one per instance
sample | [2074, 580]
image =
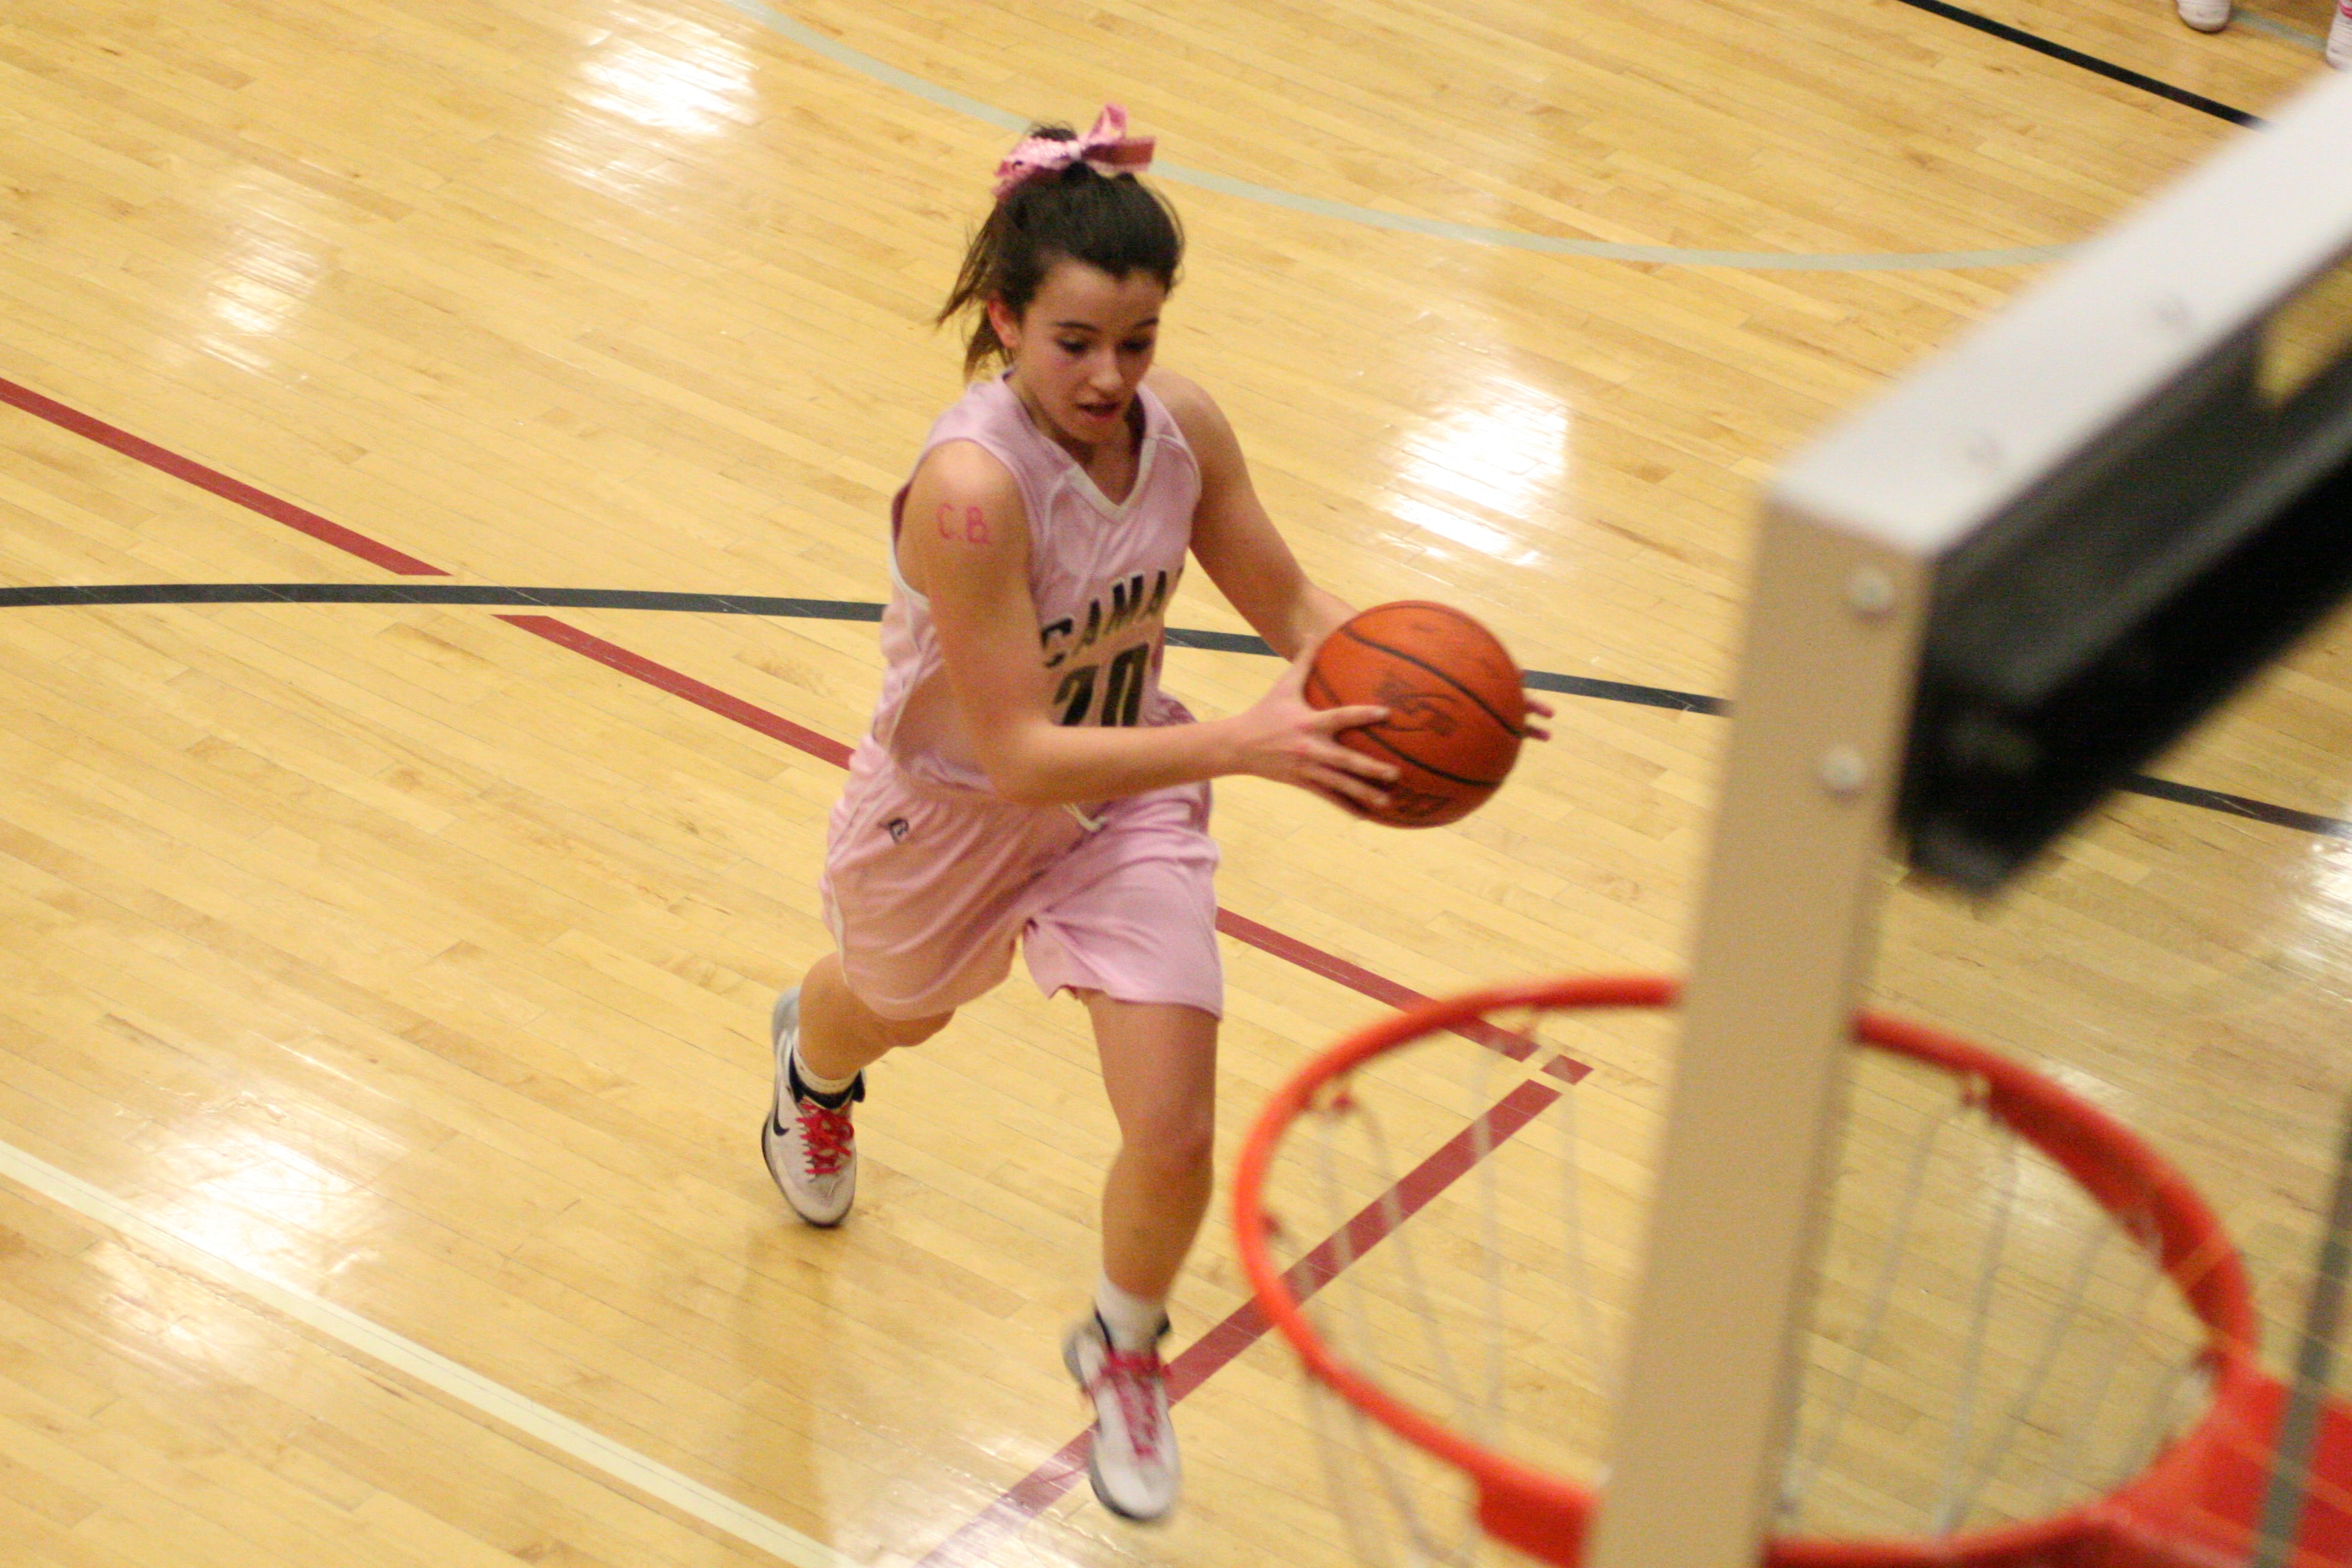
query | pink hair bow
[1107, 149]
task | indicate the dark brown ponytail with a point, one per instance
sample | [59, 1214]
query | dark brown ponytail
[1112, 222]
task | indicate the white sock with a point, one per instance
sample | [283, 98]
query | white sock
[1134, 1321]
[809, 1081]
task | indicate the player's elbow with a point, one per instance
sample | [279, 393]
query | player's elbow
[1024, 786]
[1022, 774]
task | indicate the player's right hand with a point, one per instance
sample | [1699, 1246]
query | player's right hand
[1284, 738]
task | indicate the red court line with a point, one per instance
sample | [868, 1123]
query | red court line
[1240, 1328]
[679, 684]
[973, 1545]
[213, 479]
[1356, 978]
[1330, 965]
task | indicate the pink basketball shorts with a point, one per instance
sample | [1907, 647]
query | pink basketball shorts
[927, 896]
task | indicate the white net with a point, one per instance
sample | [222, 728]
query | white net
[1986, 1345]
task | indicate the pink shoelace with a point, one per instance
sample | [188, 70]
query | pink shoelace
[1132, 1375]
[829, 1136]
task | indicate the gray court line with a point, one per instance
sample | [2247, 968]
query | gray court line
[888, 75]
[2278, 29]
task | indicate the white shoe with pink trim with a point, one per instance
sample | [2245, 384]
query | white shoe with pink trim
[809, 1143]
[1134, 1465]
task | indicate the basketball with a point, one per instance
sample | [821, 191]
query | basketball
[1456, 710]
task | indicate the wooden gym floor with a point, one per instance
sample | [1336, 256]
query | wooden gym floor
[383, 981]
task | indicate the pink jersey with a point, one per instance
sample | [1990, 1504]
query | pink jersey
[1101, 576]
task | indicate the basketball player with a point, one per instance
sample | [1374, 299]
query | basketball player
[1025, 777]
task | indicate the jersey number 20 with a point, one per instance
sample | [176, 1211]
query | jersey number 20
[1122, 689]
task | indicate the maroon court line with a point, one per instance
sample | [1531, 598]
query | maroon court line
[1379, 987]
[1330, 965]
[294, 517]
[679, 684]
[971, 1546]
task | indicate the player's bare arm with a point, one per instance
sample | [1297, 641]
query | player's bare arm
[963, 543]
[1242, 551]
[1234, 539]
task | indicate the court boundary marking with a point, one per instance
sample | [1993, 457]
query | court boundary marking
[751, 715]
[2314, 42]
[874, 70]
[1246, 1325]
[435, 1371]
[888, 75]
[1013, 1509]
[133, 593]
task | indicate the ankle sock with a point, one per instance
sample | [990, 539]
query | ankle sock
[832, 1093]
[1132, 1321]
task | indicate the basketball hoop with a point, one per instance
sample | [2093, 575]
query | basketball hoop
[2195, 1477]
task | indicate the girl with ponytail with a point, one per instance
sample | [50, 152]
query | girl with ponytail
[1026, 780]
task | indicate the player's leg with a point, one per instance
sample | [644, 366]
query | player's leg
[825, 1039]
[2339, 37]
[840, 1035]
[1159, 1063]
[1128, 921]
[922, 899]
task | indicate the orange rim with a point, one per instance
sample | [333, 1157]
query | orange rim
[2137, 1187]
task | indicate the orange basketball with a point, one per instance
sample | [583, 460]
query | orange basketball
[1456, 710]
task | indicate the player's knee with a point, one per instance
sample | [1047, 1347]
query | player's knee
[1181, 1146]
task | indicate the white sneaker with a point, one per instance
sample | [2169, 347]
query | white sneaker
[2339, 37]
[811, 1148]
[2205, 16]
[1134, 1465]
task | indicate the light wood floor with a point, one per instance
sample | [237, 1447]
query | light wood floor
[397, 957]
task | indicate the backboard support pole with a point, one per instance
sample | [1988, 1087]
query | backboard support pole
[1787, 911]
[2060, 541]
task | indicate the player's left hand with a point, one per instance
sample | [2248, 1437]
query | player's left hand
[1536, 708]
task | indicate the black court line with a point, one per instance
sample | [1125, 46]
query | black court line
[705, 604]
[2239, 805]
[857, 610]
[2092, 63]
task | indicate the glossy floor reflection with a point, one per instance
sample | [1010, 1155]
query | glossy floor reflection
[417, 958]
